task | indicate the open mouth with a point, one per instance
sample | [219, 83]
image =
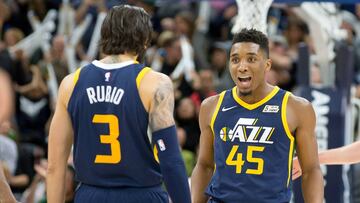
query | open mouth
[244, 79]
[244, 82]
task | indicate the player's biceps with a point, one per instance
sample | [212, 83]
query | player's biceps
[160, 118]
[306, 148]
[206, 157]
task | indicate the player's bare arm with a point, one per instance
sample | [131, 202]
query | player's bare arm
[204, 168]
[302, 120]
[6, 96]
[342, 155]
[158, 98]
[60, 140]
[162, 106]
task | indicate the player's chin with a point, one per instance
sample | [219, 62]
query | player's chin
[244, 92]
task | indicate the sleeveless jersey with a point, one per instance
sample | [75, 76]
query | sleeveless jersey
[111, 144]
[253, 149]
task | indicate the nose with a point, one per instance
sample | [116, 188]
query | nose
[243, 67]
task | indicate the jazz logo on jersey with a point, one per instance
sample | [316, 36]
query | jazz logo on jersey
[107, 76]
[246, 131]
[271, 109]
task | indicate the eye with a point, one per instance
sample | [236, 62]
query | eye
[252, 59]
[235, 60]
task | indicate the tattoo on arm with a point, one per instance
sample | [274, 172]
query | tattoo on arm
[161, 111]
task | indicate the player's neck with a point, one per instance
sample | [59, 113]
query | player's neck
[118, 58]
[256, 95]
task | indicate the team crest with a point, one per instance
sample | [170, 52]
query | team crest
[246, 130]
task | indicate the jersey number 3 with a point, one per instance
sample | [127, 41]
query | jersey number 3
[113, 122]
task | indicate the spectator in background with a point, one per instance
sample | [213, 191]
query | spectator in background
[167, 60]
[296, 31]
[84, 7]
[207, 88]
[282, 64]
[37, 189]
[187, 155]
[187, 119]
[218, 63]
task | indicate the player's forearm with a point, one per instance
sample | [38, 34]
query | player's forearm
[199, 180]
[343, 155]
[171, 165]
[313, 186]
[55, 185]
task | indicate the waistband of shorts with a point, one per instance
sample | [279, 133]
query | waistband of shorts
[155, 188]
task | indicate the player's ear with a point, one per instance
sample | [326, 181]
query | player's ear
[268, 63]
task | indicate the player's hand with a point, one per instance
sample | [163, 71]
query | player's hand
[296, 172]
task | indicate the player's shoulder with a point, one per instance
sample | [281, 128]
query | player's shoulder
[67, 86]
[208, 105]
[210, 101]
[154, 83]
[298, 102]
[154, 80]
[158, 78]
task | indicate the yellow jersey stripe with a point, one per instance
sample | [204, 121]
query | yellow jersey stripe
[221, 97]
[288, 133]
[156, 154]
[141, 75]
[257, 104]
[76, 75]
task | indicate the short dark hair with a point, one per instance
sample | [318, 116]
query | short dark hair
[254, 36]
[126, 29]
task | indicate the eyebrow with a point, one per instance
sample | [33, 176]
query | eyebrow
[234, 54]
[250, 53]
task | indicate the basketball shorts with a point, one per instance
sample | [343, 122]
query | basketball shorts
[88, 194]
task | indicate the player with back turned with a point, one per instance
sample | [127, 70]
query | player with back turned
[248, 135]
[105, 109]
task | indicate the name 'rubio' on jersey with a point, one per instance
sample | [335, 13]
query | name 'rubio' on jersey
[111, 144]
[253, 149]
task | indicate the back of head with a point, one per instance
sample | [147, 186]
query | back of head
[254, 36]
[126, 29]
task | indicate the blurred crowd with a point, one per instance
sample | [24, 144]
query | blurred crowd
[191, 43]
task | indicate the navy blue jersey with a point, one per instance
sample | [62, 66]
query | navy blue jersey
[253, 149]
[111, 144]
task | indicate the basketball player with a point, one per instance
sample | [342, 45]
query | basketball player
[5, 192]
[248, 135]
[105, 108]
[342, 155]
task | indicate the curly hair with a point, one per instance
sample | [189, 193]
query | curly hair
[126, 29]
[254, 36]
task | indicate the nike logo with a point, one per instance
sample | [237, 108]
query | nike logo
[227, 109]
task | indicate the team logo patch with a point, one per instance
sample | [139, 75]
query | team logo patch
[271, 109]
[246, 130]
[107, 76]
[161, 145]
